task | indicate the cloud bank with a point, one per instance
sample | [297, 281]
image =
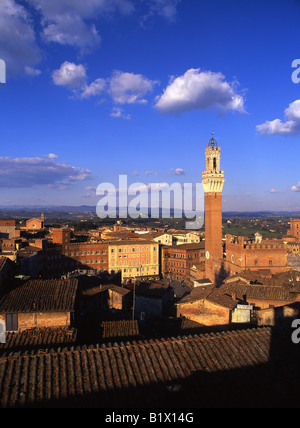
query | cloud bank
[35, 171]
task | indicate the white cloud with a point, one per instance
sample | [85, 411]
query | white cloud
[164, 8]
[122, 87]
[51, 156]
[68, 22]
[296, 188]
[129, 87]
[290, 127]
[86, 9]
[18, 44]
[177, 171]
[274, 191]
[200, 90]
[30, 172]
[152, 173]
[30, 71]
[70, 75]
[73, 31]
[118, 113]
[95, 88]
[65, 22]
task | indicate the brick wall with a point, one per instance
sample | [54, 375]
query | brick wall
[242, 255]
[34, 224]
[90, 255]
[269, 317]
[33, 320]
[213, 232]
[204, 312]
[177, 262]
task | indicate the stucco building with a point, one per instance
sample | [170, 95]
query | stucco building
[134, 259]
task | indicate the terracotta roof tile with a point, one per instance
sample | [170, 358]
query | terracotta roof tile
[258, 292]
[154, 364]
[41, 296]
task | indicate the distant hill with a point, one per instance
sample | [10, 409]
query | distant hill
[89, 212]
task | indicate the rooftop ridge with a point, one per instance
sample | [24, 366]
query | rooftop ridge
[6, 354]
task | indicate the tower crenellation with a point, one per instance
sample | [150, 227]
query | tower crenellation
[213, 177]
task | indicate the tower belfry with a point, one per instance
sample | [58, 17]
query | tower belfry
[213, 182]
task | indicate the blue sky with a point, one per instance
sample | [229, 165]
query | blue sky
[106, 87]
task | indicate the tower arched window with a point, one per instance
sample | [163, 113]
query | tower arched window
[215, 163]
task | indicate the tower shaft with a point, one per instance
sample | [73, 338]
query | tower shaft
[213, 182]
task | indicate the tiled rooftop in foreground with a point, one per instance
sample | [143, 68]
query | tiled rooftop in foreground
[41, 296]
[258, 367]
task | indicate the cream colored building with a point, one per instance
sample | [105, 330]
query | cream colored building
[165, 239]
[178, 238]
[135, 259]
[187, 238]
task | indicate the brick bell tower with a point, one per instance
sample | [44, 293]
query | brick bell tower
[213, 182]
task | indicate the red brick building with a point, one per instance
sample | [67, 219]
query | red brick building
[62, 237]
[89, 255]
[294, 231]
[8, 229]
[81, 255]
[178, 261]
[35, 224]
[292, 239]
[255, 254]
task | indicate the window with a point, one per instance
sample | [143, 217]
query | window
[12, 322]
[270, 263]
